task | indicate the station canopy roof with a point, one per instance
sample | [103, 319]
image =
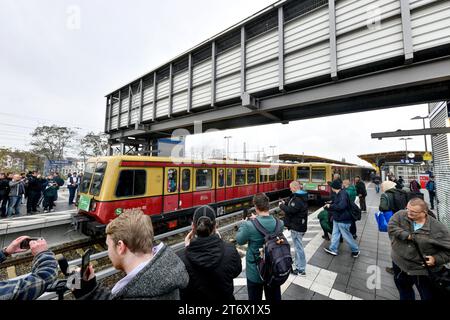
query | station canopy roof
[392, 156]
[304, 158]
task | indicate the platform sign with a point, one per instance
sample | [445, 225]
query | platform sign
[84, 203]
[423, 179]
[427, 156]
[310, 186]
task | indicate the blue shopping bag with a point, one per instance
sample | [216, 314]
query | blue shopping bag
[383, 220]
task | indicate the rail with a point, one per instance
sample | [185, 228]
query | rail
[108, 272]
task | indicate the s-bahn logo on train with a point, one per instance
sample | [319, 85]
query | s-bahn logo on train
[170, 192]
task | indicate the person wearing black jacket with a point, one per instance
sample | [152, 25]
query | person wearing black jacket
[34, 192]
[296, 220]
[361, 192]
[4, 192]
[212, 264]
[342, 220]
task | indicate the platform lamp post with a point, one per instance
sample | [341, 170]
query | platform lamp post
[228, 144]
[273, 151]
[406, 147]
[425, 136]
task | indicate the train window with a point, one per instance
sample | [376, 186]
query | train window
[221, 178]
[272, 174]
[239, 177]
[172, 180]
[229, 177]
[203, 178]
[88, 172]
[288, 174]
[185, 180]
[262, 175]
[303, 174]
[318, 175]
[131, 183]
[98, 178]
[280, 174]
[251, 176]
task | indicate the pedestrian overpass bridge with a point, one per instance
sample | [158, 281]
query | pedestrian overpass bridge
[294, 60]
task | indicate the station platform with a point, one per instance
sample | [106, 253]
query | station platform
[340, 277]
[53, 226]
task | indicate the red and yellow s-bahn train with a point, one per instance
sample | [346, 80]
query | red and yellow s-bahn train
[170, 189]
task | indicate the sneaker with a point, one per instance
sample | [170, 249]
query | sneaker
[330, 252]
[355, 236]
[45, 211]
[390, 270]
[355, 254]
[326, 238]
[294, 272]
[302, 273]
[52, 210]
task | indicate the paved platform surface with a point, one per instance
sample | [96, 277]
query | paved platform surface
[341, 277]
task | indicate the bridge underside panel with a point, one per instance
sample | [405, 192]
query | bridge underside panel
[295, 60]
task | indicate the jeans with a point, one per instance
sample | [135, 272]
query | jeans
[71, 195]
[14, 203]
[362, 202]
[405, 283]
[340, 228]
[353, 228]
[4, 208]
[255, 291]
[300, 260]
[432, 195]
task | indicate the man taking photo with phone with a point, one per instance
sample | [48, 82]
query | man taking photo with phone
[153, 272]
[43, 271]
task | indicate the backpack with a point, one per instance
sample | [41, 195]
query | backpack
[400, 200]
[275, 262]
[355, 211]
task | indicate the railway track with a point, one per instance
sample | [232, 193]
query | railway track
[108, 276]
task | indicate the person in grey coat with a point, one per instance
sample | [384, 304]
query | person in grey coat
[433, 239]
[153, 272]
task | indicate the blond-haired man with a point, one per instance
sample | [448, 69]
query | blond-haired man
[153, 272]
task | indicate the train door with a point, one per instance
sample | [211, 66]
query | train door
[204, 192]
[251, 181]
[229, 194]
[186, 197]
[220, 185]
[240, 177]
[171, 184]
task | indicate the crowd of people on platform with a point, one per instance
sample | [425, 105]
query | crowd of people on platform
[206, 268]
[35, 190]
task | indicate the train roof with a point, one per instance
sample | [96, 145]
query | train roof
[185, 161]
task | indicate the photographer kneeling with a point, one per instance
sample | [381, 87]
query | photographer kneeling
[43, 272]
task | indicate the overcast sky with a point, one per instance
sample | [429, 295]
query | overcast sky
[56, 69]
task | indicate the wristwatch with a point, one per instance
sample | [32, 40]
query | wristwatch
[5, 252]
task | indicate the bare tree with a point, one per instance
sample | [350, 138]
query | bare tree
[94, 145]
[50, 141]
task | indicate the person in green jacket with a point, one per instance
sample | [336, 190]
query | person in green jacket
[351, 191]
[247, 233]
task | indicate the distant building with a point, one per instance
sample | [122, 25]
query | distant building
[13, 163]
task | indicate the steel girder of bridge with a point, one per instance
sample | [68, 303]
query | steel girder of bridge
[283, 70]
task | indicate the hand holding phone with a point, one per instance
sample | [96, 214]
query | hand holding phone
[25, 244]
[85, 261]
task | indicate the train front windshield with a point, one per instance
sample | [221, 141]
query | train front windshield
[318, 175]
[93, 178]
